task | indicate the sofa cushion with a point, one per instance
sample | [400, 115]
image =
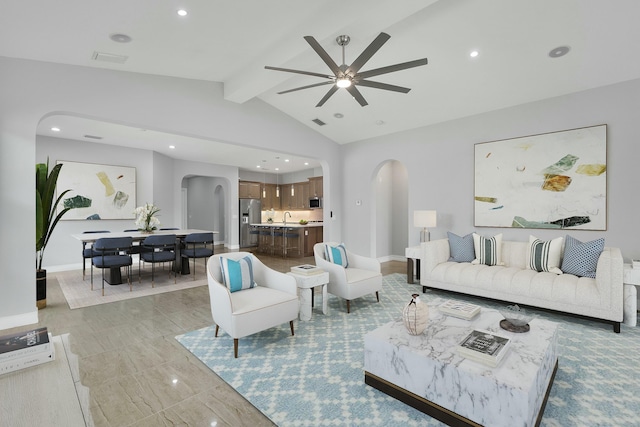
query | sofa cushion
[581, 259]
[544, 255]
[237, 275]
[461, 247]
[337, 254]
[488, 249]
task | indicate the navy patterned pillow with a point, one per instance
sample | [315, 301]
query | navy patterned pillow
[581, 259]
[461, 248]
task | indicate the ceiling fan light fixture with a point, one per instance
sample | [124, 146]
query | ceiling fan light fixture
[343, 82]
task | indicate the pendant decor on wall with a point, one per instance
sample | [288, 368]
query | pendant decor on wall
[553, 180]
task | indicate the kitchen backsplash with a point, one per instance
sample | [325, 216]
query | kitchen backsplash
[296, 216]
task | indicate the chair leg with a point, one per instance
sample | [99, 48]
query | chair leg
[377, 296]
[235, 348]
[129, 268]
[217, 327]
[348, 306]
[153, 272]
[194, 271]
[103, 281]
[291, 325]
[92, 275]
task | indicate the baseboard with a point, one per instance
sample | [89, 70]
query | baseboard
[392, 258]
[24, 319]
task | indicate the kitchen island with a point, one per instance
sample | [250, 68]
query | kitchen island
[290, 239]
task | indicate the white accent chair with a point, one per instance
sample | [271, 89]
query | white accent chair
[360, 278]
[273, 302]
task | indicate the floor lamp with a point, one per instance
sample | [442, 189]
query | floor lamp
[424, 219]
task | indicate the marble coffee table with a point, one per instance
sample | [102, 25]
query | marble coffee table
[427, 373]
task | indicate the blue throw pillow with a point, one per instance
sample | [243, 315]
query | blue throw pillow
[461, 248]
[336, 255]
[581, 259]
[237, 275]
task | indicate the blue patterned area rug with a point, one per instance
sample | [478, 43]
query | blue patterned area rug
[316, 378]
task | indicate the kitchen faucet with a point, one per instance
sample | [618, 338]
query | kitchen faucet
[284, 217]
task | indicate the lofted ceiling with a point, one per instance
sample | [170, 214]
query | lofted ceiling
[231, 42]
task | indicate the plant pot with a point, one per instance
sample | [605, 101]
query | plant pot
[41, 289]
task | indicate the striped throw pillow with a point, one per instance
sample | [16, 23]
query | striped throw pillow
[581, 259]
[488, 249]
[544, 255]
[237, 275]
[336, 254]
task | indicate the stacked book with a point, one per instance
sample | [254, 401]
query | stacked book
[25, 349]
[460, 309]
[306, 270]
[484, 347]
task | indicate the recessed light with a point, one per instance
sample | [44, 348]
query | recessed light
[338, 115]
[559, 51]
[379, 122]
[182, 12]
[172, 147]
[474, 53]
[286, 160]
[258, 166]
[55, 129]
[306, 163]
[120, 38]
[277, 169]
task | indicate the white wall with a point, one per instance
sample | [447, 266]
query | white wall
[30, 90]
[439, 161]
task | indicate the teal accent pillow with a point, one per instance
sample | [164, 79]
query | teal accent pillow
[337, 254]
[461, 248]
[581, 259]
[237, 275]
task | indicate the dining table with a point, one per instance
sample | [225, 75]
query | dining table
[114, 276]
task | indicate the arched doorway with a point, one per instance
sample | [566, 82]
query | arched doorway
[391, 207]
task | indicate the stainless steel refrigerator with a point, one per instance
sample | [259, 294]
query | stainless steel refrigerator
[250, 213]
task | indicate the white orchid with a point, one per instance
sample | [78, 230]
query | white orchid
[145, 219]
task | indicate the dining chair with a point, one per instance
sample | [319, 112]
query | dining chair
[87, 252]
[113, 252]
[159, 248]
[196, 245]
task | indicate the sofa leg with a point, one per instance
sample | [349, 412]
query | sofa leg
[377, 296]
[291, 325]
[348, 306]
[616, 327]
[424, 289]
[217, 327]
[235, 348]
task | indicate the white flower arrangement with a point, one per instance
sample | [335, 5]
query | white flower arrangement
[145, 219]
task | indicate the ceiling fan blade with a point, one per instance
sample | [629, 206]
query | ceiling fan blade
[327, 96]
[307, 73]
[357, 95]
[384, 86]
[323, 54]
[392, 68]
[306, 87]
[366, 54]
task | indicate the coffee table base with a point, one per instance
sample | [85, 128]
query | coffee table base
[444, 415]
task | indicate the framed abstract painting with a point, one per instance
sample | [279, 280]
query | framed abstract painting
[551, 180]
[98, 191]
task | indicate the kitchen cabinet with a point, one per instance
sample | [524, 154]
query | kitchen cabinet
[249, 190]
[301, 195]
[315, 186]
[285, 197]
[269, 198]
[311, 236]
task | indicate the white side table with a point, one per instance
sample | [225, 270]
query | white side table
[631, 279]
[305, 288]
[412, 252]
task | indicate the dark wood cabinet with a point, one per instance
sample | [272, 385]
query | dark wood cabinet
[249, 190]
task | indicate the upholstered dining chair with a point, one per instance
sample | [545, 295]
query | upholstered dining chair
[113, 252]
[159, 248]
[196, 245]
[360, 277]
[271, 302]
[87, 252]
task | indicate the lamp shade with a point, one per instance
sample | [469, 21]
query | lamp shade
[424, 219]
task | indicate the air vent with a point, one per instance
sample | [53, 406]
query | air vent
[318, 122]
[92, 136]
[109, 57]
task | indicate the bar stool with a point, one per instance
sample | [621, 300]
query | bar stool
[278, 240]
[291, 239]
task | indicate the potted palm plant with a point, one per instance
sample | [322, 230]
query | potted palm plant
[46, 220]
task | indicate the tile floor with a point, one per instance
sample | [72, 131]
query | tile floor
[137, 373]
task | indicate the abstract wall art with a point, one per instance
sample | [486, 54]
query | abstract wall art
[98, 191]
[551, 180]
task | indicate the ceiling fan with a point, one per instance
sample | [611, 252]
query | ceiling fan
[349, 77]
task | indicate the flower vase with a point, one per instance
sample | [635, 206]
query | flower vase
[415, 315]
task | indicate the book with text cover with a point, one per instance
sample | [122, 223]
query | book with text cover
[484, 347]
[23, 343]
[306, 269]
[464, 310]
[28, 360]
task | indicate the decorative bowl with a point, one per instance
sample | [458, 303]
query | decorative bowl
[304, 221]
[516, 316]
